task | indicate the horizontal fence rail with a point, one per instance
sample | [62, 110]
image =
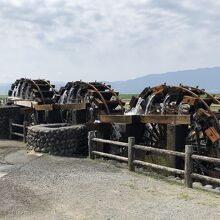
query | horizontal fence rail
[111, 156]
[188, 157]
[155, 166]
[206, 159]
[15, 125]
[105, 141]
[159, 151]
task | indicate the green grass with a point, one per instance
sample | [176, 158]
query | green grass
[184, 196]
[127, 96]
[2, 97]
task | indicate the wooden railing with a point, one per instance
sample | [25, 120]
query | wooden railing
[13, 133]
[132, 161]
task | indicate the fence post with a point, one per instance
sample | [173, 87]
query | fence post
[91, 135]
[188, 166]
[10, 129]
[131, 155]
[73, 117]
[25, 132]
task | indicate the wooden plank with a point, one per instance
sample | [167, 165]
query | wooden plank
[24, 103]
[155, 166]
[104, 141]
[206, 178]
[73, 106]
[166, 119]
[110, 156]
[159, 151]
[43, 107]
[17, 125]
[17, 134]
[34, 105]
[207, 159]
[159, 119]
[14, 98]
[125, 119]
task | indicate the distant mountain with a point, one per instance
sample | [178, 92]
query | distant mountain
[4, 87]
[206, 78]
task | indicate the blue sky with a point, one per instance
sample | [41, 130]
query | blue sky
[106, 40]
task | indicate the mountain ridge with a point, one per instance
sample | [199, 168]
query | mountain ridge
[206, 78]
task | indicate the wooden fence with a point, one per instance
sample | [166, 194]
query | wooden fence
[188, 157]
[13, 133]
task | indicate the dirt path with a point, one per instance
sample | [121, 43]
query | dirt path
[51, 187]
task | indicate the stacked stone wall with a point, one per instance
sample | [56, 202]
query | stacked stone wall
[8, 112]
[58, 139]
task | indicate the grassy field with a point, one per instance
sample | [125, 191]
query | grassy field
[2, 97]
[126, 98]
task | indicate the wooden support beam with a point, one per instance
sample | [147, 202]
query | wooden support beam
[125, 119]
[25, 103]
[166, 119]
[43, 107]
[171, 144]
[91, 135]
[188, 166]
[73, 106]
[158, 119]
[131, 153]
[25, 124]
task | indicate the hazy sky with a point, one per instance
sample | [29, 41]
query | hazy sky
[106, 39]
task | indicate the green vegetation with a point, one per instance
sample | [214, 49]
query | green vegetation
[127, 96]
[2, 97]
[184, 196]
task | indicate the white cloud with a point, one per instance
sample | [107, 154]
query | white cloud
[106, 40]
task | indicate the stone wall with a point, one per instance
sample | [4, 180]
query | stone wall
[58, 139]
[7, 112]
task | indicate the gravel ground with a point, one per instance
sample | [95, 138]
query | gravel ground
[50, 187]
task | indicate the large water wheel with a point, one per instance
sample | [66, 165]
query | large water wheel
[98, 98]
[204, 131]
[39, 91]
